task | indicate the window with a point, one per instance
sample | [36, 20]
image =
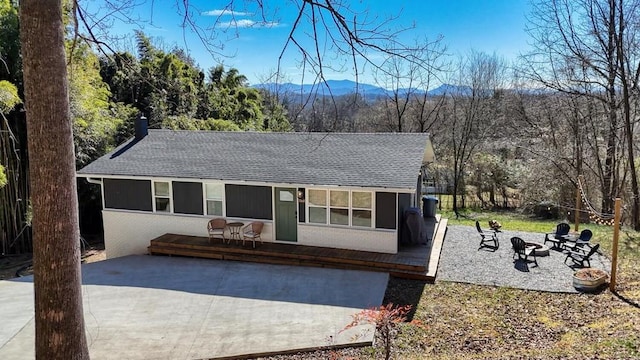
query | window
[361, 204]
[340, 207]
[215, 199]
[128, 194]
[317, 200]
[162, 196]
[186, 197]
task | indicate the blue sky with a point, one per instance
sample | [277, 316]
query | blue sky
[253, 46]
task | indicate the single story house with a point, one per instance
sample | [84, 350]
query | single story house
[339, 190]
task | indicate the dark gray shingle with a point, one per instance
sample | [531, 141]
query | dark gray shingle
[348, 159]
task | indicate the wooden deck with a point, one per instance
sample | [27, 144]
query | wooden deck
[415, 262]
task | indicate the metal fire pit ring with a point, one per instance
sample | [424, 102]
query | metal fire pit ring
[540, 249]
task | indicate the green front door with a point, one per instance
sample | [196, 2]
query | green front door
[286, 214]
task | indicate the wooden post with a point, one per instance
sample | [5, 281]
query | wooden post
[578, 202]
[614, 249]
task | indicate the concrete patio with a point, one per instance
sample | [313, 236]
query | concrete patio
[152, 307]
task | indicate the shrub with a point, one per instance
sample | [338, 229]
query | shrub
[386, 319]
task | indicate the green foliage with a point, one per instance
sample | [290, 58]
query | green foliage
[3, 177]
[229, 98]
[8, 96]
[126, 116]
[172, 92]
[508, 220]
[168, 85]
[94, 127]
[122, 73]
[11, 61]
[275, 114]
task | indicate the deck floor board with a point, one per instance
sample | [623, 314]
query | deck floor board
[416, 262]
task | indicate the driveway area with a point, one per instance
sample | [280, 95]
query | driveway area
[152, 307]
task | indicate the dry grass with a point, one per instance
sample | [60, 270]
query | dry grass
[481, 322]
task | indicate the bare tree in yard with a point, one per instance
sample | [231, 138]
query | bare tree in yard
[563, 131]
[407, 103]
[470, 112]
[590, 48]
[629, 62]
[59, 319]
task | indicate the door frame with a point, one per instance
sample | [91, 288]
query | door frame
[294, 214]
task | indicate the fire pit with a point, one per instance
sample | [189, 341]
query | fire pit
[540, 249]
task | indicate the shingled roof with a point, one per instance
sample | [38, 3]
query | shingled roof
[387, 160]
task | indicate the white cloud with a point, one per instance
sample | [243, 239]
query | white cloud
[246, 23]
[222, 12]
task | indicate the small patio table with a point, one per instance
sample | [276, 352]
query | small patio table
[234, 231]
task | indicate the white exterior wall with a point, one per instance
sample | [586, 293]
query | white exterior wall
[129, 233]
[385, 241]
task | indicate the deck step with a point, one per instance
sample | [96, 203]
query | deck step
[282, 259]
[436, 248]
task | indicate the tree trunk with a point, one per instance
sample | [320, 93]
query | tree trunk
[59, 318]
[610, 176]
[626, 103]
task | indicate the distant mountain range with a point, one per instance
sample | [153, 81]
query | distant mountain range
[347, 87]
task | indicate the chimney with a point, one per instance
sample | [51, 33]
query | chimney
[141, 127]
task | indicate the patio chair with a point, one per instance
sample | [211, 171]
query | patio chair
[522, 251]
[488, 239]
[216, 229]
[582, 240]
[580, 257]
[252, 231]
[559, 237]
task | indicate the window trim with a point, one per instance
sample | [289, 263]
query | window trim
[350, 207]
[154, 196]
[206, 199]
[325, 206]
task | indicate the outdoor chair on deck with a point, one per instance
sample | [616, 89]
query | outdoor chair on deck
[488, 239]
[216, 229]
[252, 231]
[559, 237]
[581, 257]
[522, 251]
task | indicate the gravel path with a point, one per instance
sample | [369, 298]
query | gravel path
[461, 261]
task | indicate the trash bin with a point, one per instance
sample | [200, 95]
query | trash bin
[429, 203]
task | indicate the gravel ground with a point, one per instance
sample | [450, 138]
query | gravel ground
[462, 261]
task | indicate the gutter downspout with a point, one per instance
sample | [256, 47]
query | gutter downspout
[94, 181]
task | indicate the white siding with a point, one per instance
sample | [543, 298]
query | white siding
[128, 233]
[384, 241]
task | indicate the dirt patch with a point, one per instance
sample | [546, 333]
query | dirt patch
[12, 266]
